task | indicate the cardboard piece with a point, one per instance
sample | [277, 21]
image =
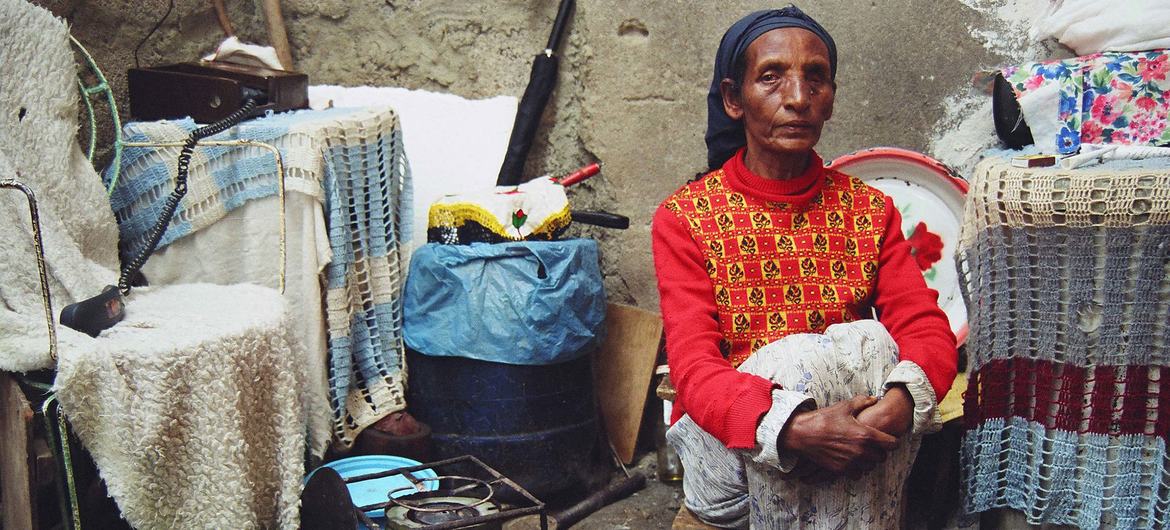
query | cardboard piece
[622, 372]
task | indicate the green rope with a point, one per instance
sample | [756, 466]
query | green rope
[67, 456]
[102, 87]
[68, 491]
[43, 387]
[92, 121]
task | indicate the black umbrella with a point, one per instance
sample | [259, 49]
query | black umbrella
[540, 87]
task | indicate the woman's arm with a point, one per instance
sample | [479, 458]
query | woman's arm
[723, 401]
[909, 311]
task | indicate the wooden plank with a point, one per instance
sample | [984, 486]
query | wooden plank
[625, 364]
[685, 520]
[16, 506]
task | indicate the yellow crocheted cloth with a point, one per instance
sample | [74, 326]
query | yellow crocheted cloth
[536, 209]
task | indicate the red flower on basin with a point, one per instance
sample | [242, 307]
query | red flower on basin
[925, 246]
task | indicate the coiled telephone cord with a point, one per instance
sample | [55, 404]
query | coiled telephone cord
[172, 203]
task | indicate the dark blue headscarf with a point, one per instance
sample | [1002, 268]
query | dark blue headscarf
[724, 135]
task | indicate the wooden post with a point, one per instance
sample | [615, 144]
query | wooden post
[277, 35]
[224, 21]
[16, 480]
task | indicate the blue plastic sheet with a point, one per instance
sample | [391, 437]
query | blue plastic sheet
[529, 303]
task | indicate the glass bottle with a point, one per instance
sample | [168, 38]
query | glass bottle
[670, 468]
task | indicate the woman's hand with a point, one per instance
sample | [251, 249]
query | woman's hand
[834, 440]
[893, 414]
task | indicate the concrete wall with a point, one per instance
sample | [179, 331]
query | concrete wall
[632, 85]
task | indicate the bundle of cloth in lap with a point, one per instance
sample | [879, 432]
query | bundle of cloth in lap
[190, 406]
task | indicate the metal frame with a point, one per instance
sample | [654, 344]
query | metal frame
[38, 246]
[537, 506]
[58, 429]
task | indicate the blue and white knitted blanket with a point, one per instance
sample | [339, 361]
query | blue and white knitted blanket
[353, 162]
[1067, 409]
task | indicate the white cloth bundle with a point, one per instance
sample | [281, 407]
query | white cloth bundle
[1091, 26]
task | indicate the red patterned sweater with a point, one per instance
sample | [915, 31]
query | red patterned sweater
[743, 261]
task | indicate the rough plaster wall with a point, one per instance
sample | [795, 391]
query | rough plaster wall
[632, 85]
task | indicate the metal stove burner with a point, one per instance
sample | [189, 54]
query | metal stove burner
[443, 506]
[452, 511]
[438, 510]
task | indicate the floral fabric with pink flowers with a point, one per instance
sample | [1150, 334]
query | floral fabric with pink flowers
[1104, 98]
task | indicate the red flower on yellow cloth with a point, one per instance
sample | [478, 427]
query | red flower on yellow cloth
[925, 246]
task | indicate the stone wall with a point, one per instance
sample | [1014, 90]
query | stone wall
[632, 84]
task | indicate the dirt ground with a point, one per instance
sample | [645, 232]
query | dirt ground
[652, 508]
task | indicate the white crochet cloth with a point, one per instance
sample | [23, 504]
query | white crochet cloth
[226, 245]
[352, 161]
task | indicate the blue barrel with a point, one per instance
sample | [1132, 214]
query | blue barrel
[537, 425]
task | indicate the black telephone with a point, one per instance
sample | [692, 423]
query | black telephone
[92, 315]
[96, 314]
[210, 91]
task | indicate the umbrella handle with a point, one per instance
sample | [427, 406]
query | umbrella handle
[541, 82]
[558, 31]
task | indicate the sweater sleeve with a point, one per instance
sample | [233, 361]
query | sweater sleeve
[723, 401]
[909, 309]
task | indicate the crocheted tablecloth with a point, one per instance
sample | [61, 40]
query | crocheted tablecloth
[1067, 409]
[351, 162]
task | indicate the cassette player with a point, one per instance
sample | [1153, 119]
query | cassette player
[209, 91]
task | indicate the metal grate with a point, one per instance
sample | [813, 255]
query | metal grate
[463, 476]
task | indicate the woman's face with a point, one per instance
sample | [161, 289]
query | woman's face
[787, 93]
